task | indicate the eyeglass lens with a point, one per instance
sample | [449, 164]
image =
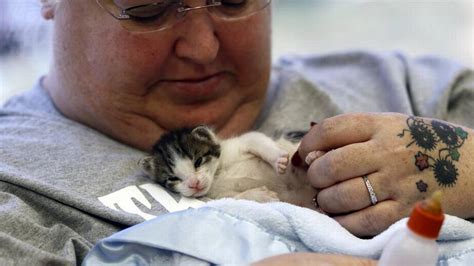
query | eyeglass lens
[154, 15]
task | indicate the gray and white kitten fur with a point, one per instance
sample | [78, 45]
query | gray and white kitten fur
[195, 163]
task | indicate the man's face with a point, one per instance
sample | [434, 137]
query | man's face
[134, 87]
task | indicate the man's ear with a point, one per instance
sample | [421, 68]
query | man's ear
[48, 7]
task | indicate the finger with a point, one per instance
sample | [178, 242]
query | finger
[344, 163]
[372, 220]
[337, 131]
[351, 195]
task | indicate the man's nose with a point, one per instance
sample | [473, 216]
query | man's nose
[198, 41]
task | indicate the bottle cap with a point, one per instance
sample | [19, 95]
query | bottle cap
[427, 217]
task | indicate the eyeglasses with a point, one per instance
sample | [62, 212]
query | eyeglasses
[157, 15]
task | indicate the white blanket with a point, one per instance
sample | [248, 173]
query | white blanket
[238, 231]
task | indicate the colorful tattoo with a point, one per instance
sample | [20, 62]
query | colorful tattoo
[431, 136]
[422, 186]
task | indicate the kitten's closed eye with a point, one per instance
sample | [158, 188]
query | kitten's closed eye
[173, 179]
[198, 162]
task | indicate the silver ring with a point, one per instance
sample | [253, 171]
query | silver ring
[373, 197]
[315, 201]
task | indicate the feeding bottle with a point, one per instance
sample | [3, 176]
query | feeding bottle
[416, 244]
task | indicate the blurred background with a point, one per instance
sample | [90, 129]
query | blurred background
[415, 27]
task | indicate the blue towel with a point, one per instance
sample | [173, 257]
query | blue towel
[230, 231]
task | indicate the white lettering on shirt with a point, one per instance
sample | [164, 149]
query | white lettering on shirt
[123, 199]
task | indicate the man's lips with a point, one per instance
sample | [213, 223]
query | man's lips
[192, 79]
[194, 89]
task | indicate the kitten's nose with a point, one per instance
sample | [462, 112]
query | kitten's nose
[195, 184]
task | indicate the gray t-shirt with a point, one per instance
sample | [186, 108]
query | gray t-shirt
[64, 186]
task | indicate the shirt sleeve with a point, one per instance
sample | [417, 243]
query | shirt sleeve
[440, 88]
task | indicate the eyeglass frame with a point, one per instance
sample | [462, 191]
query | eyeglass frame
[182, 9]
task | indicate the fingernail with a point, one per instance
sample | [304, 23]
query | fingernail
[311, 157]
[296, 160]
[312, 123]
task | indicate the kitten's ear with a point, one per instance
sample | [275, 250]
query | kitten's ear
[147, 165]
[205, 134]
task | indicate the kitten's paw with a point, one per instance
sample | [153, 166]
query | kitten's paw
[312, 156]
[282, 163]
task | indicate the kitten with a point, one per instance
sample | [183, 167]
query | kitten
[195, 163]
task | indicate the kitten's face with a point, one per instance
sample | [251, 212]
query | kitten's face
[184, 161]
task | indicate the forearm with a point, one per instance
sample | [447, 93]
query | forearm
[300, 259]
[458, 196]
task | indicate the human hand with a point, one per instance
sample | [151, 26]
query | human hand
[404, 158]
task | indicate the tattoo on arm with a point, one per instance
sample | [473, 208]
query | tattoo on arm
[421, 186]
[444, 138]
